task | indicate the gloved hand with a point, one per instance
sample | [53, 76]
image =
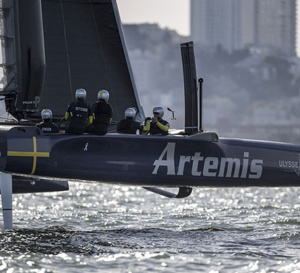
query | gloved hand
[147, 118]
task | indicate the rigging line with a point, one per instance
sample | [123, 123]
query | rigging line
[67, 51]
[115, 109]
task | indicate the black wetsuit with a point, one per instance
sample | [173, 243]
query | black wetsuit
[129, 126]
[155, 130]
[102, 114]
[79, 112]
[47, 127]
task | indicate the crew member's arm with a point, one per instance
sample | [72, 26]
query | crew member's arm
[146, 128]
[90, 120]
[164, 128]
[90, 117]
[67, 115]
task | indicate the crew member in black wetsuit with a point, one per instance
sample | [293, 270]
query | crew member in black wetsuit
[128, 125]
[101, 114]
[47, 125]
[78, 114]
[158, 126]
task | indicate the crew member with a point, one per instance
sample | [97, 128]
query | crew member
[128, 125]
[78, 114]
[47, 125]
[101, 114]
[158, 126]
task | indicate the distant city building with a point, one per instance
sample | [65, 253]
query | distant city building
[235, 24]
[228, 23]
[276, 25]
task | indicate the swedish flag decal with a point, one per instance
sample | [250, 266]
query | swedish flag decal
[35, 154]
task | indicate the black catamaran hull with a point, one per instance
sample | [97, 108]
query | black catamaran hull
[171, 161]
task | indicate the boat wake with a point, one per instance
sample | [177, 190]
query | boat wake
[56, 240]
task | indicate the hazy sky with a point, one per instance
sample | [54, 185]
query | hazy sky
[173, 14]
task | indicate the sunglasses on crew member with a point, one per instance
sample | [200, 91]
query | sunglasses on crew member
[155, 113]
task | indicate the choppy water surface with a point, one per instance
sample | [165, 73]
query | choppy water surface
[102, 228]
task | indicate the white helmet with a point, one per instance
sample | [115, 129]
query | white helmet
[103, 95]
[158, 110]
[130, 113]
[46, 114]
[80, 94]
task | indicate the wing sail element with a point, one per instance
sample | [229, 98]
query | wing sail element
[85, 48]
[190, 87]
[52, 48]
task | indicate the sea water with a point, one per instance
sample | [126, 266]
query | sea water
[103, 228]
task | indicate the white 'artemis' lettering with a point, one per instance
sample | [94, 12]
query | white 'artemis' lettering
[169, 162]
[182, 161]
[245, 165]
